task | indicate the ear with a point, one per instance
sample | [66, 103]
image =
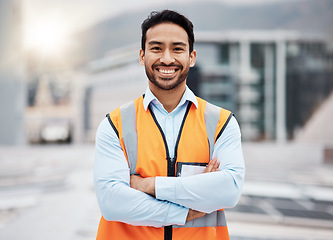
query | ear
[193, 56]
[142, 57]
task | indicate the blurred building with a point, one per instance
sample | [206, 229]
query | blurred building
[271, 80]
[12, 76]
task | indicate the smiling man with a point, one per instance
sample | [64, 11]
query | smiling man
[168, 163]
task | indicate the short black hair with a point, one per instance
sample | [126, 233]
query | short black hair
[167, 16]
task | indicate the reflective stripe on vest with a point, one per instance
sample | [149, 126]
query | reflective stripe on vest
[130, 137]
[212, 116]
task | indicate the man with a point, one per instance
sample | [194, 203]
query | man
[143, 145]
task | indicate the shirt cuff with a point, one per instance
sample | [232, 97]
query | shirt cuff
[177, 215]
[165, 188]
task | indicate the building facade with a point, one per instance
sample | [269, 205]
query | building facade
[271, 80]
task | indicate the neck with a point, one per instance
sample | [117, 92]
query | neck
[169, 98]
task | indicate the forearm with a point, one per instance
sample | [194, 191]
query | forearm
[146, 185]
[119, 202]
[205, 192]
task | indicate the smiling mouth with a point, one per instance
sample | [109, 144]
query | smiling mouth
[167, 71]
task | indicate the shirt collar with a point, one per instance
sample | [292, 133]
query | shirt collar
[187, 96]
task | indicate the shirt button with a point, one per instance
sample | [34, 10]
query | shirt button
[169, 138]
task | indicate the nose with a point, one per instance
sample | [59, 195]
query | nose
[167, 57]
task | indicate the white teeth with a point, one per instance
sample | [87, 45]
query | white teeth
[167, 71]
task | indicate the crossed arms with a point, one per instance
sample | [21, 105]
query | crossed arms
[163, 201]
[147, 185]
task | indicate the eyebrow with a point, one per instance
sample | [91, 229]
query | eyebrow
[179, 43]
[155, 43]
[160, 43]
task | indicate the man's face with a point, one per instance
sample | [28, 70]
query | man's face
[167, 59]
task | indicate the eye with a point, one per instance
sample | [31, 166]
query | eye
[179, 49]
[155, 48]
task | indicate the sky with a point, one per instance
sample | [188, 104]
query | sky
[48, 23]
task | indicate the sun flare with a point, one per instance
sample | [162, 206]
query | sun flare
[46, 37]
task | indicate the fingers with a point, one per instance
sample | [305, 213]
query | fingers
[213, 166]
[192, 214]
[216, 165]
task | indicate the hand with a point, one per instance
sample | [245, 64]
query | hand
[213, 166]
[146, 185]
[192, 214]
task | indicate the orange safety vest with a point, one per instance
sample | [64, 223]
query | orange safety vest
[146, 151]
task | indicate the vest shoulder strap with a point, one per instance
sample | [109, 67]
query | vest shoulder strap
[212, 117]
[123, 122]
[129, 132]
[216, 120]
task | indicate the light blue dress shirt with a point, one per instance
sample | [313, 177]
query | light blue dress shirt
[206, 192]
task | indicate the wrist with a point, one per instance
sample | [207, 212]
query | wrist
[192, 214]
[150, 186]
